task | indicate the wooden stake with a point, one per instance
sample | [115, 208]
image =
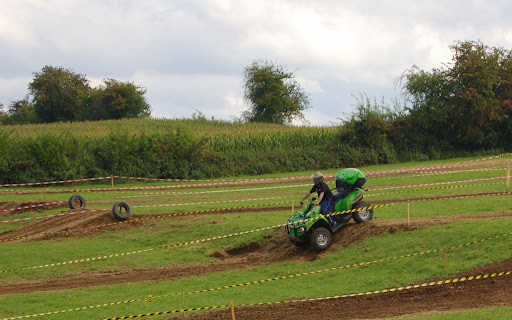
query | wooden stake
[232, 309]
[183, 300]
[41, 194]
[446, 261]
[508, 176]
[408, 213]
[293, 208]
[112, 181]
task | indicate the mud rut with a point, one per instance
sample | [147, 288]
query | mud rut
[274, 248]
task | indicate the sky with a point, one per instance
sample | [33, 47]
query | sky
[190, 54]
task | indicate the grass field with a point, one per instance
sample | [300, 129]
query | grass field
[176, 248]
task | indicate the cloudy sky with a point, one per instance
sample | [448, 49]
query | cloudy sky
[190, 54]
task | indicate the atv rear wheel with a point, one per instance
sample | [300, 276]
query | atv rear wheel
[320, 238]
[362, 215]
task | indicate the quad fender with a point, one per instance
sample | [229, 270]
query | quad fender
[351, 199]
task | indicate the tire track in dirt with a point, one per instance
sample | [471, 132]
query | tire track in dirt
[275, 248]
[416, 302]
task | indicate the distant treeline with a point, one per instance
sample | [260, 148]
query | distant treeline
[59, 94]
[461, 109]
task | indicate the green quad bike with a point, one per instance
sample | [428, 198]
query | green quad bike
[309, 225]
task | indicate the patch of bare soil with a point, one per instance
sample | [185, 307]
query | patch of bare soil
[17, 204]
[274, 248]
[90, 223]
[496, 291]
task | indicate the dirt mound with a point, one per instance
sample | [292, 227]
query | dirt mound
[18, 204]
[85, 223]
[89, 224]
[276, 246]
[495, 291]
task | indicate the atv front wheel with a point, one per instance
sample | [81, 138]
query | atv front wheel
[362, 215]
[320, 238]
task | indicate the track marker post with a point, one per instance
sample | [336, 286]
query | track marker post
[232, 309]
[446, 261]
[408, 213]
[508, 175]
[183, 300]
[112, 181]
[293, 208]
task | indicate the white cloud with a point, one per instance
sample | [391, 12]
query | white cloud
[190, 54]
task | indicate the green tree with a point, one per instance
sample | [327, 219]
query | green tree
[115, 100]
[477, 82]
[431, 110]
[22, 112]
[273, 94]
[57, 93]
[3, 115]
[467, 102]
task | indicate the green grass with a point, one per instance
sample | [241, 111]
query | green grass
[156, 233]
[353, 280]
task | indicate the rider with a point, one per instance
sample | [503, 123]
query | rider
[324, 193]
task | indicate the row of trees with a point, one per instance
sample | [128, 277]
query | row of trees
[59, 94]
[463, 106]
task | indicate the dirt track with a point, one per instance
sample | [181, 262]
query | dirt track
[423, 301]
[274, 249]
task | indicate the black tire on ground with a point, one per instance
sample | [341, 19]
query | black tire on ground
[362, 215]
[299, 244]
[76, 201]
[121, 210]
[320, 238]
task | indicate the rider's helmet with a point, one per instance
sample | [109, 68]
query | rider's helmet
[318, 177]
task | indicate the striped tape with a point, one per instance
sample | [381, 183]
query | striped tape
[53, 215]
[290, 276]
[148, 206]
[395, 289]
[201, 203]
[436, 183]
[150, 194]
[162, 216]
[51, 182]
[180, 244]
[434, 188]
[435, 173]
[456, 165]
[33, 206]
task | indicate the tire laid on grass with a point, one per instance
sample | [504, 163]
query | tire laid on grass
[320, 238]
[76, 201]
[121, 210]
[362, 215]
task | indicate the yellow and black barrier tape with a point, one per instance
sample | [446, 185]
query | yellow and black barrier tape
[162, 216]
[180, 244]
[245, 284]
[366, 293]
[432, 188]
